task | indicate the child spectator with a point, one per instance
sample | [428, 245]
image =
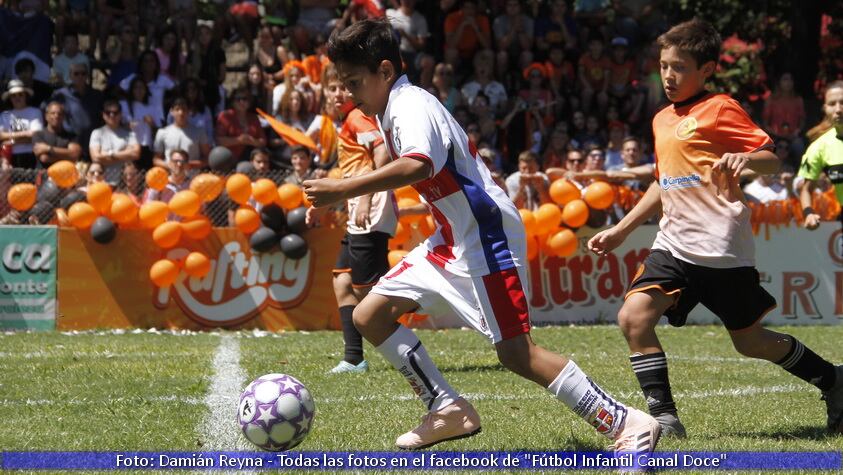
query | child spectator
[594, 76]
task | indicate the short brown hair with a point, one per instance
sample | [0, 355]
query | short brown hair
[366, 43]
[528, 156]
[696, 37]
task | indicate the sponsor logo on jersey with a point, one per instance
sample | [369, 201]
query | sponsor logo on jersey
[686, 128]
[678, 182]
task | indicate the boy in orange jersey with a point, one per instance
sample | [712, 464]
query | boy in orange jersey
[704, 251]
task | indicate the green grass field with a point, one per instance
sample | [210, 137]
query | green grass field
[145, 391]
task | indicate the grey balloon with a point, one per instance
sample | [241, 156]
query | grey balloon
[297, 220]
[221, 159]
[294, 246]
[103, 230]
[263, 239]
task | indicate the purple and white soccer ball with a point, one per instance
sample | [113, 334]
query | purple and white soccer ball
[276, 412]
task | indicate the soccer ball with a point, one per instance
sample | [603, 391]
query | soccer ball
[275, 412]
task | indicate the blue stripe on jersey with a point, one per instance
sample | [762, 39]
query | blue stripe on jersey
[489, 219]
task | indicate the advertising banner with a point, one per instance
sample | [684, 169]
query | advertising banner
[108, 286]
[28, 277]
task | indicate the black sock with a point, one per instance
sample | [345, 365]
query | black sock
[352, 338]
[803, 363]
[651, 371]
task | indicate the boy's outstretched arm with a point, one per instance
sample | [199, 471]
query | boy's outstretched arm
[608, 239]
[401, 172]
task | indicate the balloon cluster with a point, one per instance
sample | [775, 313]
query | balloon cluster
[280, 220]
[550, 229]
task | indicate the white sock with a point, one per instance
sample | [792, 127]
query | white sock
[406, 353]
[587, 400]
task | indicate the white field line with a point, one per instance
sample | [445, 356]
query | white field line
[227, 403]
[219, 428]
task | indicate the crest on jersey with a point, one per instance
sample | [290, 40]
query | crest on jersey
[686, 128]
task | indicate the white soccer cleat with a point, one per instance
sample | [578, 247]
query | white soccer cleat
[638, 436]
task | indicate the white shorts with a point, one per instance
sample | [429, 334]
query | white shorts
[494, 304]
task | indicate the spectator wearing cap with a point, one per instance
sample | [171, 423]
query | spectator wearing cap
[594, 76]
[484, 81]
[180, 135]
[19, 124]
[112, 144]
[466, 32]
[82, 105]
[528, 187]
[54, 142]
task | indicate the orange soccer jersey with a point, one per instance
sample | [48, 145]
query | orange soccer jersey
[357, 141]
[701, 225]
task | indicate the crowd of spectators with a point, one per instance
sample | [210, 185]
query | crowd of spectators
[546, 89]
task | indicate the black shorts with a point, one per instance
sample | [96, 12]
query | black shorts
[735, 294]
[365, 256]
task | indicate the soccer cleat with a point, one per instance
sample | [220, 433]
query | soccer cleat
[639, 436]
[346, 367]
[671, 425]
[834, 403]
[454, 421]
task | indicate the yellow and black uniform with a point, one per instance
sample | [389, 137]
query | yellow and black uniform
[364, 250]
[825, 155]
[704, 250]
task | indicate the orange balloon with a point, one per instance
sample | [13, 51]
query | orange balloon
[153, 213]
[264, 191]
[407, 192]
[304, 201]
[197, 264]
[408, 203]
[563, 244]
[395, 257]
[197, 227]
[547, 218]
[239, 188]
[563, 192]
[599, 195]
[207, 185]
[163, 273]
[99, 196]
[185, 203]
[290, 196]
[167, 234]
[532, 248]
[529, 221]
[81, 215]
[64, 173]
[427, 226]
[157, 178]
[575, 213]
[247, 220]
[22, 196]
[123, 210]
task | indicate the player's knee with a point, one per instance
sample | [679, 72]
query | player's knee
[514, 355]
[749, 347]
[361, 317]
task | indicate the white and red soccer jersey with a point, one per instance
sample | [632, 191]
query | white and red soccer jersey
[479, 230]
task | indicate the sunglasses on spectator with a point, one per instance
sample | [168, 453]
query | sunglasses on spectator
[96, 172]
[111, 113]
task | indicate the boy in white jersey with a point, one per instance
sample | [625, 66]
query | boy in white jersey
[472, 266]
[704, 251]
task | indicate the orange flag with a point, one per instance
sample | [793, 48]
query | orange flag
[289, 134]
